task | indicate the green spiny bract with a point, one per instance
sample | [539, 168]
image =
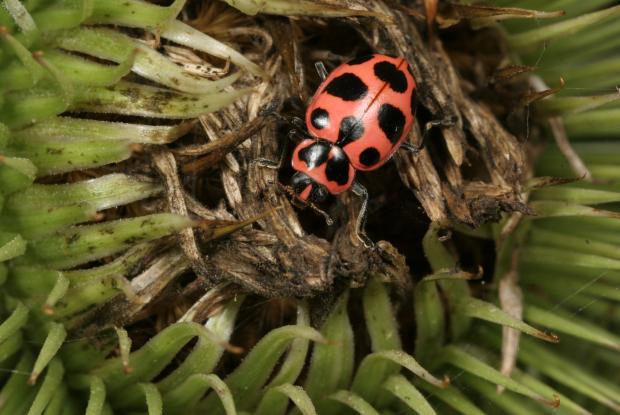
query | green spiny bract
[564, 261]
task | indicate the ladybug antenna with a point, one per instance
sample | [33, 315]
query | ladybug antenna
[271, 108]
[328, 219]
[302, 204]
[320, 69]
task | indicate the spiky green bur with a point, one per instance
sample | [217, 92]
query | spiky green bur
[75, 378]
[566, 255]
[51, 234]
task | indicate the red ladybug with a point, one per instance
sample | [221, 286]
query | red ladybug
[359, 116]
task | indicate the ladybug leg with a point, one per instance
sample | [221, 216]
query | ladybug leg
[298, 124]
[305, 204]
[328, 219]
[320, 69]
[444, 122]
[298, 132]
[267, 163]
[361, 191]
[448, 121]
[411, 148]
[296, 136]
[293, 121]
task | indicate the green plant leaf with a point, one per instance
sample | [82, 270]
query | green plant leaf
[186, 35]
[53, 379]
[11, 346]
[354, 401]
[207, 351]
[250, 377]
[140, 100]
[543, 388]
[124, 346]
[406, 392]
[149, 359]
[486, 311]
[55, 338]
[96, 399]
[188, 393]
[576, 195]
[131, 13]
[66, 128]
[11, 325]
[383, 331]
[82, 244]
[297, 395]
[532, 38]
[451, 396]
[61, 156]
[332, 363]
[154, 401]
[294, 8]
[465, 361]
[368, 379]
[117, 47]
[505, 402]
[274, 403]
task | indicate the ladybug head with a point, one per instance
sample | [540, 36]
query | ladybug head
[307, 189]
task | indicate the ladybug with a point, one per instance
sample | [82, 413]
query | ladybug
[359, 116]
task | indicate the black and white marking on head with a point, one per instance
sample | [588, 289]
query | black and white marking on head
[318, 193]
[351, 129]
[392, 122]
[315, 154]
[360, 59]
[347, 86]
[388, 72]
[319, 118]
[337, 169]
[370, 156]
[300, 181]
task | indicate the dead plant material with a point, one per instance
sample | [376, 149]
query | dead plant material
[542, 93]
[469, 173]
[167, 167]
[284, 256]
[442, 94]
[210, 154]
[567, 150]
[480, 15]
[511, 301]
[508, 72]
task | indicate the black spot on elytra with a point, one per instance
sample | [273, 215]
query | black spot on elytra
[347, 86]
[315, 154]
[370, 156]
[337, 169]
[319, 118]
[350, 130]
[388, 72]
[410, 71]
[392, 122]
[360, 59]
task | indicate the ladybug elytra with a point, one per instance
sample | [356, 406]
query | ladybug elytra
[359, 116]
